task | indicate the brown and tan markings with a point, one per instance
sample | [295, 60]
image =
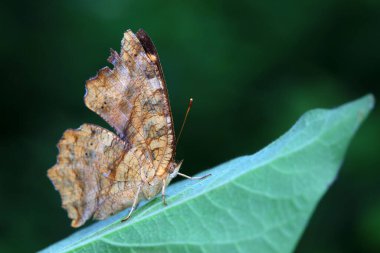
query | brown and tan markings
[99, 173]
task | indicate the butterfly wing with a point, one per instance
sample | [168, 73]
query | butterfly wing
[85, 155]
[132, 98]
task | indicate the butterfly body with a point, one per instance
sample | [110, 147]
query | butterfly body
[99, 173]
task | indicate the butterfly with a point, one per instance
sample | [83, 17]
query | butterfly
[99, 173]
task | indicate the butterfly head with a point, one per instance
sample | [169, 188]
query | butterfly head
[174, 168]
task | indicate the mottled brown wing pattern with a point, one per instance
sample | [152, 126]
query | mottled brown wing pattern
[85, 154]
[99, 173]
[132, 98]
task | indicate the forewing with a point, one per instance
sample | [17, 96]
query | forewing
[132, 98]
[85, 154]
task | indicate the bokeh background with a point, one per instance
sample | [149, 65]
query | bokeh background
[252, 67]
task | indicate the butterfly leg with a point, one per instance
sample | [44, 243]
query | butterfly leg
[134, 204]
[163, 194]
[193, 178]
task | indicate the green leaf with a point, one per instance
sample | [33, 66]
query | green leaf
[258, 203]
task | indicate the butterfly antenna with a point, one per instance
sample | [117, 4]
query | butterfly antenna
[184, 120]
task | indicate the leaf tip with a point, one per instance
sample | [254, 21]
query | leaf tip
[370, 98]
[367, 104]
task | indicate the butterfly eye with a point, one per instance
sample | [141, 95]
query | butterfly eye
[174, 168]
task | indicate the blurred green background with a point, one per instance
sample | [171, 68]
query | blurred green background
[252, 67]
